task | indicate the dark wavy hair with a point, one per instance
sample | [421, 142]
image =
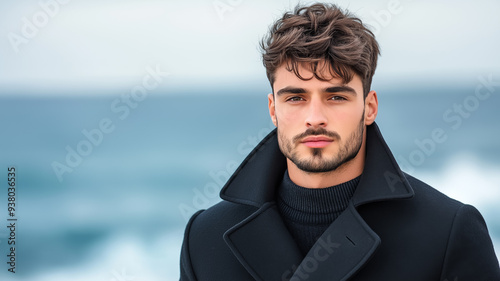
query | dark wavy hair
[321, 33]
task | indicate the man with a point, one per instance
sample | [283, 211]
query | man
[322, 197]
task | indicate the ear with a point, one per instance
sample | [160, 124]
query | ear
[371, 107]
[272, 110]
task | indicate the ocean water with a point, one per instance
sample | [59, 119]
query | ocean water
[119, 209]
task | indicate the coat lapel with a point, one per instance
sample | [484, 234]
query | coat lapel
[263, 245]
[254, 182]
[341, 251]
[382, 179]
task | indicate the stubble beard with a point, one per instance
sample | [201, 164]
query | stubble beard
[318, 162]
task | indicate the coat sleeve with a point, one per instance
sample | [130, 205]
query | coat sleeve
[470, 254]
[187, 272]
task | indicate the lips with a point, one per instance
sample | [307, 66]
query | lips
[316, 141]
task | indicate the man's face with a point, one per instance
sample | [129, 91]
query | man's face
[320, 123]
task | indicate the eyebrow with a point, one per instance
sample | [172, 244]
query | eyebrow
[334, 89]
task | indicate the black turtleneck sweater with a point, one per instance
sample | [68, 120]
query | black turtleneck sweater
[307, 212]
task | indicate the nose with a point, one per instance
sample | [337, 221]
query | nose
[316, 116]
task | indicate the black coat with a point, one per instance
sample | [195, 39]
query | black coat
[396, 228]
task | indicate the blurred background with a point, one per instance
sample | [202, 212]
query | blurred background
[123, 118]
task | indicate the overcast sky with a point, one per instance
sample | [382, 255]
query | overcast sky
[92, 43]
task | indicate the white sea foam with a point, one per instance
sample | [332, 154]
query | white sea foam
[122, 257]
[472, 181]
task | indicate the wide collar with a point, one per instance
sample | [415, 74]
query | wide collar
[262, 243]
[255, 180]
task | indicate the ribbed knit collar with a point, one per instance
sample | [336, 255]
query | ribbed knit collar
[314, 205]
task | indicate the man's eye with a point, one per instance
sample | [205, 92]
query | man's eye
[295, 99]
[338, 98]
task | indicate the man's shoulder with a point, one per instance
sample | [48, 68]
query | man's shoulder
[204, 236]
[432, 197]
[219, 218]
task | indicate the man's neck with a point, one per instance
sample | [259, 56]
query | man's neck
[344, 173]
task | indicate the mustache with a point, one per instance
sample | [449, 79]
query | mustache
[316, 132]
